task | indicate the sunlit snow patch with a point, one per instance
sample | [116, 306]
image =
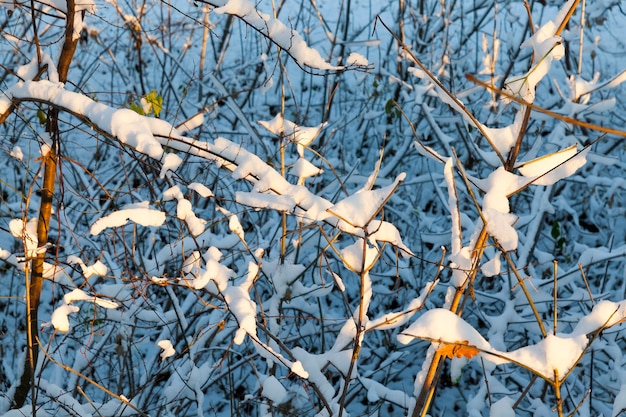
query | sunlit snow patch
[265, 201]
[352, 256]
[549, 169]
[302, 136]
[127, 126]
[201, 189]
[288, 39]
[381, 231]
[554, 355]
[303, 169]
[60, 319]
[184, 209]
[213, 273]
[496, 209]
[546, 47]
[359, 209]
[27, 232]
[167, 349]
[244, 309]
[139, 213]
[170, 163]
[97, 269]
[357, 59]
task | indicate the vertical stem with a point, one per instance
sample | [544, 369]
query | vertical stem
[430, 383]
[35, 33]
[425, 395]
[342, 50]
[283, 142]
[557, 394]
[401, 8]
[582, 38]
[358, 336]
[556, 268]
[567, 17]
[205, 40]
[35, 283]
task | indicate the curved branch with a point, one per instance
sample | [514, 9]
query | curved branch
[289, 40]
[149, 136]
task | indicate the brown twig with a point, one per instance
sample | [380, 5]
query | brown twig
[27, 381]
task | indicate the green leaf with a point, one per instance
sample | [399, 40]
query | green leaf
[556, 230]
[137, 109]
[389, 107]
[41, 116]
[157, 102]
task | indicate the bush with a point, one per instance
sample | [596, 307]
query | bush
[222, 208]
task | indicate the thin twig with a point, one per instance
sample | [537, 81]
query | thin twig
[121, 398]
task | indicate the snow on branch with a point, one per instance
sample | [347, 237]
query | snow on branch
[127, 126]
[138, 213]
[553, 356]
[60, 319]
[149, 135]
[555, 353]
[277, 32]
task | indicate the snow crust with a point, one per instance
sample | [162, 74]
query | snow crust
[357, 59]
[97, 269]
[191, 123]
[263, 201]
[60, 319]
[359, 256]
[170, 163]
[381, 231]
[201, 189]
[504, 137]
[207, 270]
[27, 232]
[604, 314]
[184, 211]
[16, 152]
[303, 169]
[442, 324]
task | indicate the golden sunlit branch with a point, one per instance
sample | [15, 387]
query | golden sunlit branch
[566, 119]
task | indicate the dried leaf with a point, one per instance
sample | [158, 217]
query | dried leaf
[458, 349]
